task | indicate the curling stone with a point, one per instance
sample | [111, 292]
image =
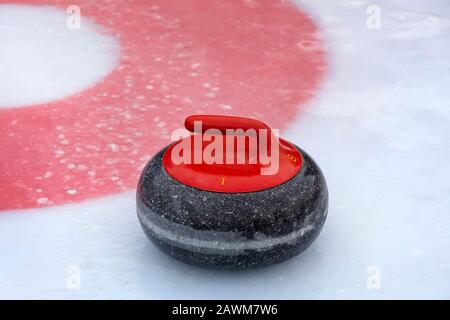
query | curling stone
[231, 195]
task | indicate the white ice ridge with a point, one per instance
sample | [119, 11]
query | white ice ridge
[42, 59]
[184, 236]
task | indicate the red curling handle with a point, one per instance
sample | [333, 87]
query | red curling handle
[234, 177]
[223, 123]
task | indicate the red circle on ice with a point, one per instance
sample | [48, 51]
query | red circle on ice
[259, 59]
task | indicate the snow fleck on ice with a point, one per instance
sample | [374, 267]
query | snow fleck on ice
[71, 166]
[48, 174]
[225, 106]
[42, 200]
[114, 147]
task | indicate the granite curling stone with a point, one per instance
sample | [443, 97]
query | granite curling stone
[231, 216]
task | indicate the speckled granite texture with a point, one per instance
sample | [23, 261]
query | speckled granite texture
[232, 230]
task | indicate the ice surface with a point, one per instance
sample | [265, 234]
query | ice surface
[379, 128]
[43, 60]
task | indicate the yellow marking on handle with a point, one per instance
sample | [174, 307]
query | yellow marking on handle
[292, 158]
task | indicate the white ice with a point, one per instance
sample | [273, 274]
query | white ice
[380, 130]
[43, 57]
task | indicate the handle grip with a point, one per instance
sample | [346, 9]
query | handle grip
[223, 123]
